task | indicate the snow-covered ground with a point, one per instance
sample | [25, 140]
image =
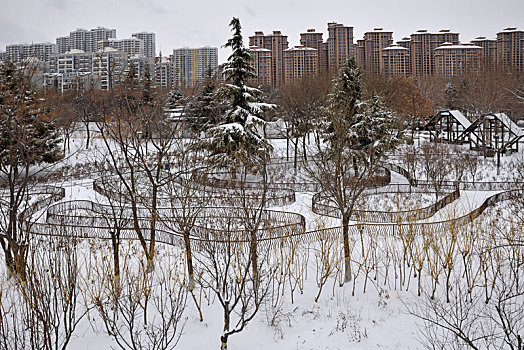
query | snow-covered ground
[376, 318]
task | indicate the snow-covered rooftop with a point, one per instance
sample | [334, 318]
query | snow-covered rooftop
[442, 31]
[299, 47]
[395, 47]
[460, 118]
[510, 30]
[75, 51]
[109, 49]
[164, 60]
[256, 48]
[509, 123]
[450, 46]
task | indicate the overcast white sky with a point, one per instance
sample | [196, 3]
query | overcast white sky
[196, 23]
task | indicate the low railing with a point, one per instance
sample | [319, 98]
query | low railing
[279, 236]
[320, 207]
[207, 219]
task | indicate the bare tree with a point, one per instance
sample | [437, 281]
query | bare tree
[436, 167]
[44, 311]
[145, 311]
[225, 261]
[137, 139]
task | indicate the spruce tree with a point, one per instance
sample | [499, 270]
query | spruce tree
[235, 141]
[357, 135]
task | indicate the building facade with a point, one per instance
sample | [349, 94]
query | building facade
[261, 61]
[396, 61]
[360, 50]
[423, 45]
[163, 72]
[190, 65]
[149, 40]
[70, 70]
[374, 42]
[109, 67]
[488, 59]
[314, 40]
[277, 44]
[457, 60]
[131, 46]
[62, 44]
[510, 46]
[142, 66]
[21, 52]
[340, 45]
[83, 39]
[300, 61]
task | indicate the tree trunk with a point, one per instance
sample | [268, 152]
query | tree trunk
[254, 257]
[304, 149]
[295, 165]
[225, 335]
[189, 258]
[115, 240]
[347, 255]
[88, 133]
[223, 342]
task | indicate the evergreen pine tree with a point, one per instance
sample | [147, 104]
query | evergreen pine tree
[235, 141]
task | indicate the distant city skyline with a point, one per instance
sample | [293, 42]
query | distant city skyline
[197, 24]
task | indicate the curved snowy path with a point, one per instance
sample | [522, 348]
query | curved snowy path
[465, 204]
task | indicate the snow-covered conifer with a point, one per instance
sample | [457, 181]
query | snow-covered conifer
[27, 135]
[236, 141]
[205, 110]
[358, 133]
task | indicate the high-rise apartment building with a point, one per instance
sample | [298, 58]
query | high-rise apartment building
[190, 65]
[277, 44]
[423, 44]
[98, 34]
[340, 45]
[20, 52]
[488, 59]
[78, 40]
[69, 70]
[314, 40]
[149, 42]
[3, 56]
[374, 42]
[85, 40]
[396, 61]
[163, 72]
[457, 60]
[300, 61]
[62, 44]
[261, 61]
[360, 53]
[405, 42]
[510, 47]
[131, 46]
[142, 65]
[109, 67]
